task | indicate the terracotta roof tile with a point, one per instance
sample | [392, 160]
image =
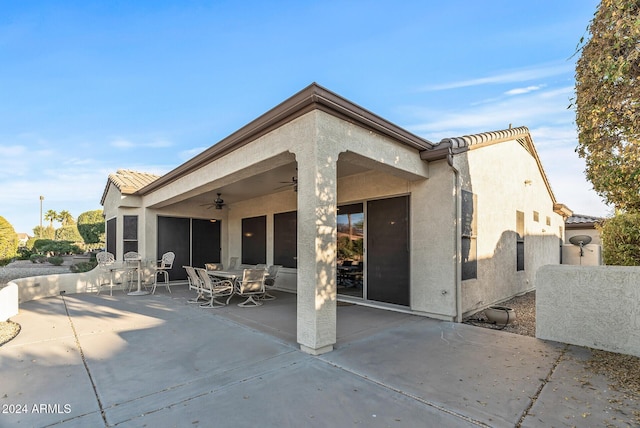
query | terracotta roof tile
[128, 181]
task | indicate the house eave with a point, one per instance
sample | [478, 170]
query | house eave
[314, 97]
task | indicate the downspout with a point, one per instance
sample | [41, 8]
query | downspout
[457, 237]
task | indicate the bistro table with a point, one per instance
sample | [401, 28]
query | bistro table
[139, 291]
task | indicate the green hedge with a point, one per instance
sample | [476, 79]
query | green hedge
[621, 240]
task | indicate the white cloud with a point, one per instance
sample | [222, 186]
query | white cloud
[121, 143]
[190, 153]
[519, 91]
[521, 75]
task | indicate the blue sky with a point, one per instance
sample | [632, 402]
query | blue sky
[90, 87]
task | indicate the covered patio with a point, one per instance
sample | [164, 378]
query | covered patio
[272, 193]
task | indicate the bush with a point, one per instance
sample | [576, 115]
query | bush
[48, 246]
[84, 266]
[56, 260]
[8, 241]
[621, 240]
[91, 227]
[38, 258]
[69, 233]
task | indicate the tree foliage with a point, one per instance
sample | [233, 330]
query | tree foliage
[51, 216]
[44, 232]
[68, 233]
[621, 240]
[607, 103]
[8, 241]
[91, 226]
[66, 218]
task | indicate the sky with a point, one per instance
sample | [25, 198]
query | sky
[90, 87]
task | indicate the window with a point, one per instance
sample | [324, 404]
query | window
[519, 240]
[548, 221]
[285, 239]
[254, 240]
[536, 216]
[111, 235]
[130, 234]
[469, 238]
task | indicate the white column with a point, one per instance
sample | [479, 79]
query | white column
[317, 231]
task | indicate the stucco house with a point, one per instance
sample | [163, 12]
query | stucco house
[578, 226]
[318, 183]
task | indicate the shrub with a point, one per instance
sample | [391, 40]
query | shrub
[84, 266]
[69, 233]
[38, 258]
[91, 227]
[56, 260]
[8, 241]
[621, 240]
[48, 246]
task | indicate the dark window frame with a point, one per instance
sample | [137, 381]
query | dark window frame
[520, 255]
[254, 240]
[285, 239]
[129, 233]
[469, 238]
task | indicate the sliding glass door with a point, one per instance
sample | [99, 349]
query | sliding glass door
[373, 250]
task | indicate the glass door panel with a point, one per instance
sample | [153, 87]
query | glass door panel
[350, 269]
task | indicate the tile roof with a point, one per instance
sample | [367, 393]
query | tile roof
[582, 219]
[128, 181]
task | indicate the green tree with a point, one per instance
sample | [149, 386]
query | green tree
[51, 216]
[91, 227]
[608, 103]
[8, 241]
[621, 240]
[44, 232]
[68, 233]
[66, 218]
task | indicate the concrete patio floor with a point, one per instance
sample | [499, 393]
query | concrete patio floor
[157, 361]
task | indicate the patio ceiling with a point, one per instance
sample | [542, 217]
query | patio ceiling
[263, 183]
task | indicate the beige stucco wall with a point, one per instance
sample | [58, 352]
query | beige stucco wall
[591, 255]
[594, 306]
[520, 187]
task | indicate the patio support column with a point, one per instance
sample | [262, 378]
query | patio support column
[317, 231]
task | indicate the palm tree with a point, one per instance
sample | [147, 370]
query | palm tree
[51, 215]
[66, 218]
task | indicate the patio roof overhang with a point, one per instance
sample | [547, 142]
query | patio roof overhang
[314, 97]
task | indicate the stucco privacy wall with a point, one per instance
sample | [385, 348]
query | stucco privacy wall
[499, 196]
[594, 306]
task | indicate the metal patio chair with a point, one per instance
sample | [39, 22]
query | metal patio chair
[251, 286]
[214, 289]
[162, 268]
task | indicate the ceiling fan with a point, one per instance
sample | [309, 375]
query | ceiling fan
[291, 183]
[218, 203]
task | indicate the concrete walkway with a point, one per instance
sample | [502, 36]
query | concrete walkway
[158, 361]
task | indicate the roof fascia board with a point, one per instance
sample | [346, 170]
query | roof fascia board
[313, 97]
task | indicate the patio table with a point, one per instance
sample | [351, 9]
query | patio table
[139, 291]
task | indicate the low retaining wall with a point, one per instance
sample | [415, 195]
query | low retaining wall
[593, 306]
[38, 287]
[8, 301]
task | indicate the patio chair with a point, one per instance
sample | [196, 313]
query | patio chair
[214, 288]
[251, 285]
[270, 281]
[162, 268]
[213, 266]
[195, 283]
[105, 264]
